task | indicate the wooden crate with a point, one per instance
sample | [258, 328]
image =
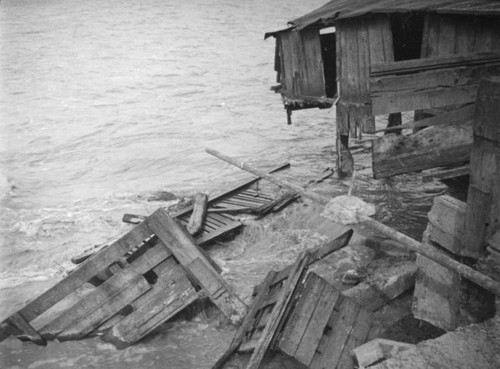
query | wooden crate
[156, 271]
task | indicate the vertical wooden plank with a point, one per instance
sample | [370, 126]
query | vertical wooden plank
[358, 336]
[483, 40]
[296, 275]
[366, 120]
[301, 315]
[385, 28]
[248, 320]
[313, 80]
[340, 333]
[483, 205]
[312, 336]
[465, 34]
[327, 333]
[430, 40]
[446, 38]
[376, 40]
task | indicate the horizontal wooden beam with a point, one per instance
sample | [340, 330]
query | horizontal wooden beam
[446, 77]
[460, 115]
[432, 147]
[422, 99]
[423, 64]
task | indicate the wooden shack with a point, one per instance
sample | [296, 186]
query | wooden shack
[384, 57]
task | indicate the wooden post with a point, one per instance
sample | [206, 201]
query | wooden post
[483, 204]
[197, 219]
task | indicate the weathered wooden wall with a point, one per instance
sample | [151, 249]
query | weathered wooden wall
[360, 42]
[457, 51]
[301, 64]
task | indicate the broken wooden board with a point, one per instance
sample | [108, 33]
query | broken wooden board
[265, 315]
[324, 326]
[432, 147]
[291, 313]
[239, 198]
[441, 174]
[156, 270]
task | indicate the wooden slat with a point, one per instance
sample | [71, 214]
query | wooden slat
[327, 333]
[446, 174]
[186, 251]
[171, 293]
[426, 64]
[358, 336]
[340, 334]
[301, 315]
[247, 322]
[460, 115]
[446, 77]
[447, 29]
[85, 271]
[312, 336]
[428, 98]
[107, 308]
[205, 238]
[110, 287]
[296, 275]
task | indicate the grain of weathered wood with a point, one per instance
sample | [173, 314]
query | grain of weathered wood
[296, 274]
[171, 293]
[428, 98]
[301, 315]
[483, 205]
[357, 336]
[85, 271]
[315, 329]
[340, 333]
[107, 308]
[186, 251]
[247, 321]
[435, 62]
[446, 174]
[460, 115]
[145, 262]
[433, 147]
[446, 77]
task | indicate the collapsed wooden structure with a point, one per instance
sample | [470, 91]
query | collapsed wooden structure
[384, 57]
[155, 271]
[303, 316]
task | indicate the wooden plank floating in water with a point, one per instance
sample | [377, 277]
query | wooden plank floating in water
[155, 270]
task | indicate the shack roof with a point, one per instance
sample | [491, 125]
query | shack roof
[341, 9]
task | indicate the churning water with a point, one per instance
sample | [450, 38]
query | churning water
[104, 103]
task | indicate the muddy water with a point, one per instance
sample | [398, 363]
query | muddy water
[105, 104]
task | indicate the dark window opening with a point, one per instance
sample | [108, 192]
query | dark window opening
[407, 32]
[328, 53]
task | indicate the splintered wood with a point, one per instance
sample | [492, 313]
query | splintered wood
[304, 317]
[155, 271]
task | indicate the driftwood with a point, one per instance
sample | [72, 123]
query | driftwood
[408, 242]
[199, 214]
